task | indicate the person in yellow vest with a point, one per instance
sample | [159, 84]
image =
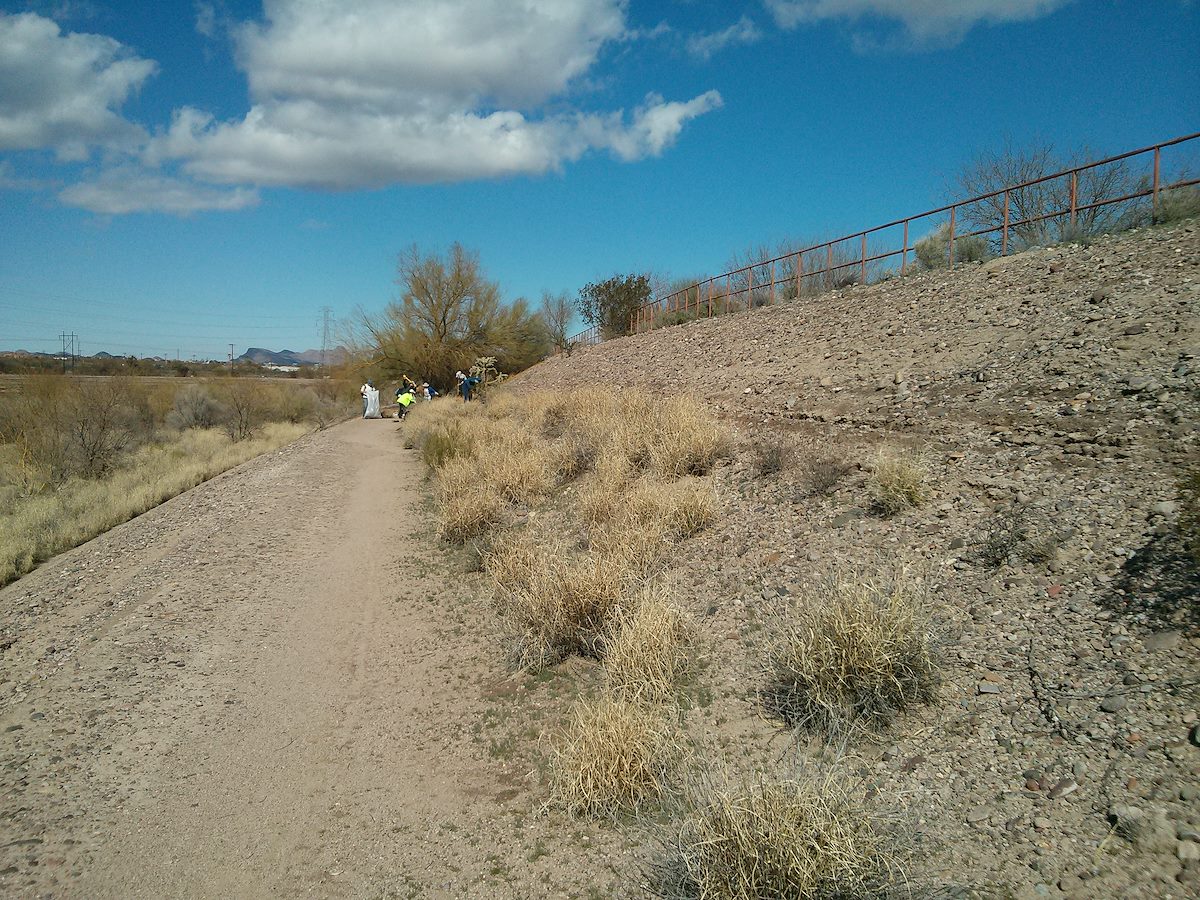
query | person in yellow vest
[404, 399]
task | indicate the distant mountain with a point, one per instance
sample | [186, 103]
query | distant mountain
[262, 357]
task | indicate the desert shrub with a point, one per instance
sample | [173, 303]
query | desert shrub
[1177, 204]
[195, 407]
[1016, 534]
[615, 755]
[646, 648]
[850, 653]
[823, 473]
[246, 404]
[898, 481]
[610, 304]
[933, 251]
[801, 839]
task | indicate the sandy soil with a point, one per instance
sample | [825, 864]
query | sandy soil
[275, 685]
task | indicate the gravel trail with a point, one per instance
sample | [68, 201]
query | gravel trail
[250, 691]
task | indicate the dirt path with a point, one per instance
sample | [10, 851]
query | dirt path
[266, 687]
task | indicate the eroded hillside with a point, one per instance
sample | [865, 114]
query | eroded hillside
[1052, 399]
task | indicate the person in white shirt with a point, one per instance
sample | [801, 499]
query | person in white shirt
[364, 390]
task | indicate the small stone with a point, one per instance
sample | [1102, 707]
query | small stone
[1136, 329]
[1063, 788]
[1187, 851]
[985, 687]
[1113, 704]
[1165, 508]
[1164, 640]
[978, 814]
[1041, 823]
[1188, 793]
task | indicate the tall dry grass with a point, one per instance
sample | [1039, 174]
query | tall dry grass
[851, 652]
[804, 838]
[34, 528]
[648, 647]
[615, 755]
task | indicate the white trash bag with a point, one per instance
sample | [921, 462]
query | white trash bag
[372, 404]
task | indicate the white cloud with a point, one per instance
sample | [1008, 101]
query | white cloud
[343, 96]
[420, 92]
[743, 31]
[925, 21]
[206, 19]
[128, 189]
[63, 91]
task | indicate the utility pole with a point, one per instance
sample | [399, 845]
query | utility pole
[63, 355]
[231, 359]
[325, 313]
[74, 349]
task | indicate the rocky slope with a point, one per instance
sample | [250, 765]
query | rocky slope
[1054, 397]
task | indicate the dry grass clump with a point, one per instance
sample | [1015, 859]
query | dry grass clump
[687, 440]
[647, 648]
[898, 481]
[851, 654]
[792, 840]
[557, 603]
[823, 473]
[615, 755]
[773, 455]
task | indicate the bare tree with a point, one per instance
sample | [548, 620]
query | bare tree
[557, 311]
[1039, 214]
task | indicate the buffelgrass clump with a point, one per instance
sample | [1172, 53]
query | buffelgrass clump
[797, 839]
[823, 473]
[444, 442]
[898, 481]
[933, 251]
[773, 455]
[614, 756]
[686, 441]
[646, 650]
[851, 653]
[1177, 204]
[556, 603]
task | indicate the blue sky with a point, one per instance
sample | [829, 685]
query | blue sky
[179, 176]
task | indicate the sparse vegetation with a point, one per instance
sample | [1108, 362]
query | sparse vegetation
[646, 650]
[1178, 204]
[798, 839]
[851, 653]
[615, 755]
[79, 455]
[823, 473]
[898, 480]
[933, 251]
[1017, 534]
[773, 455]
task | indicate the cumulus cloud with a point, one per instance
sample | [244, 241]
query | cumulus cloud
[924, 21]
[64, 90]
[426, 91]
[343, 96]
[129, 189]
[743, 31]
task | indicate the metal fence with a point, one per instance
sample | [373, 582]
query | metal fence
[1010, 218]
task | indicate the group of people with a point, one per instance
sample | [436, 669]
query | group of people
[409, 392]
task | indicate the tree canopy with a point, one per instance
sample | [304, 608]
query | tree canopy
[449, 314]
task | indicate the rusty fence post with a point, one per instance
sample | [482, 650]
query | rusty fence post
[1074, 195]
[950, 249]
[904, 255]
[749, 287]
[1004, 233]
[862, 278]
[799, 274]
[772, 300]
[1154, 200]
[829, 267]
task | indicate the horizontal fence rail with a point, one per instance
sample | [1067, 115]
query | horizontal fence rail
[863, 256]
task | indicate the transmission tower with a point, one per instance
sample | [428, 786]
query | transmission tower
[325, 313]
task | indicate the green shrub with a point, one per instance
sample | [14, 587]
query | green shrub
[933, 251]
